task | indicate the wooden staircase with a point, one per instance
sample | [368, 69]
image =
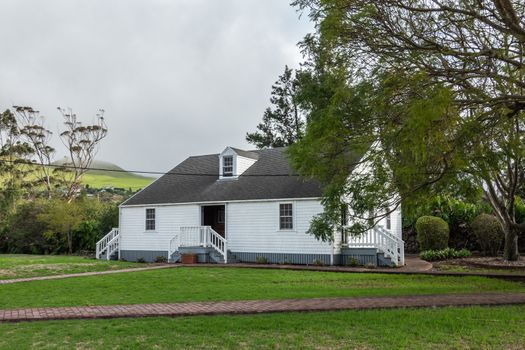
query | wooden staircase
[108, 246]
[198, 237]
[390, 248]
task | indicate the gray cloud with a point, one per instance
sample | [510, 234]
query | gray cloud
[176, 78]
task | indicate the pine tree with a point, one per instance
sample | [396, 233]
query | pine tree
[282, 123]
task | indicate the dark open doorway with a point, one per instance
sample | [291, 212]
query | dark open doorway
[214, 216]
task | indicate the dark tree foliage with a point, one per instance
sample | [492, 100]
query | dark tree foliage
[442, 102]
[283, 123]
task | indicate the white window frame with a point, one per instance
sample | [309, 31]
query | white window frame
[224, 166]
[146, 220]
[287, 216]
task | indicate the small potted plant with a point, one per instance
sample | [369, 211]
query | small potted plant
[189, 258]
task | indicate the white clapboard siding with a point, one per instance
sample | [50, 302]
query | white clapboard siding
[242, 164]
[254, 227]
[169, 219]
[395, 222]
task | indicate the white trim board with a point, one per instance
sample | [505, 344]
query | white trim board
[221, 202]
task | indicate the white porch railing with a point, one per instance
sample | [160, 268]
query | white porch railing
[199, 236]
[108, 245]
[380, 238]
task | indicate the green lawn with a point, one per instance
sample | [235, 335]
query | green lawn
[201, 284]
[21, 265]
[458, 268]
[100, 181]
[445, 328]
[111, 175]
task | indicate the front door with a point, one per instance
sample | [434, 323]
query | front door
[214, 216]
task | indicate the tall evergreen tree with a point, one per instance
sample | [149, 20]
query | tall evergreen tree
[283, 123]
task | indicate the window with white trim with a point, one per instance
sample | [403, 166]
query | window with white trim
[286, 216]
[150, 219]
[227, 166]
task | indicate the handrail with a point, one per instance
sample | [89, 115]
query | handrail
[198, 236]
[219, 243]
[112, 246]
[102, 244]
[171, 248]
[193, 236]
[380, 238]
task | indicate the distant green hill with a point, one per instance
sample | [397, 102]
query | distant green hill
[111, 178]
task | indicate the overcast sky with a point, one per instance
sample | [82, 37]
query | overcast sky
[176, 77]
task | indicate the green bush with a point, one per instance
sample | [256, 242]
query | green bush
[353, 262]
[444, 254]
[318, 262]
[161, 259]
[141, 260]
[261, 260]
[370, 265]
[488, 233]
[432, 233]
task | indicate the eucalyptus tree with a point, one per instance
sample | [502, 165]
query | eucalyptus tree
[433, 89]
[14, 153]
[82, 143]
[38, 137]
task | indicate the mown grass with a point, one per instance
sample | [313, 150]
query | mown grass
[459, 268]
[207, 284]
[446, 328]
[21, 265]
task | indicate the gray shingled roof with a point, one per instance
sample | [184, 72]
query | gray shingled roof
[246, 154]
[260, 181]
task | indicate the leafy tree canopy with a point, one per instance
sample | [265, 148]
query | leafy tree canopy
[429, 94]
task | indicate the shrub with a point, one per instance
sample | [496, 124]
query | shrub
[318, 262]
[370, 265]
[161, 259]
[353, 262]
[141, 260]
[444, 254]
[432, 233]
[488, 233]
[261, 260]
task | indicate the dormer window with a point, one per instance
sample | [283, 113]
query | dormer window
[227, 166]
[233, 162]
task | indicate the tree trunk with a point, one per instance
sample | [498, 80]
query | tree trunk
[510, 251]
[70, 242]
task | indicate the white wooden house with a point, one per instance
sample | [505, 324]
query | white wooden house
[239, 206]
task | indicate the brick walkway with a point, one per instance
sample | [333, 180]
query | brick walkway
[258, 306]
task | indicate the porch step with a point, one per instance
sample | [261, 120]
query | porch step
[109, 245]
[175, 257]
[215, 257]
[383, 261]
[207, 255]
